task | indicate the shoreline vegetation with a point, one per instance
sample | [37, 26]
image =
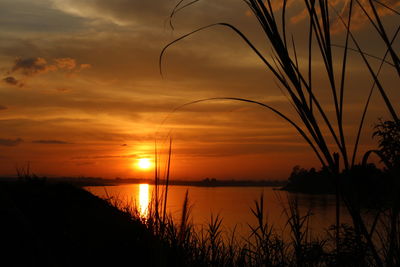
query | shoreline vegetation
[368, 179]
[59, 224]
[321, 109]
[313, 72]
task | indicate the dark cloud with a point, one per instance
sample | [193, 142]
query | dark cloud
[10, 142]
[51, 142]
[12, 81]
[36, 65]
[31, 66]
[3, 107]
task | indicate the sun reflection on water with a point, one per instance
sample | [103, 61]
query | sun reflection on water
[144, 199]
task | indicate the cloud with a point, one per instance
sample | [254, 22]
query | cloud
[22, 16]
[121, 12]
[32, 66]
[3, 107]
[65, 63]
[70, 64]
[51, 142]
[359, 18]
[12, 81]
[84, 66]
[10, 142]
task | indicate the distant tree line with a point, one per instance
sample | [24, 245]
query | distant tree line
[363, 180]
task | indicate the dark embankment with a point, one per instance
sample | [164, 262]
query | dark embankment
[46, 224]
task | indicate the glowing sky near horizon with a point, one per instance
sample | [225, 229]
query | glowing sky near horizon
[81, 93]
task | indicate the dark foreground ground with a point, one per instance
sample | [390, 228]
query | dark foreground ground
[44, 224]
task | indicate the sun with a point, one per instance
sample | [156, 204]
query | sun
[144, 163]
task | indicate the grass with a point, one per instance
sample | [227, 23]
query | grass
[211, 245]
[311, 118]
[266, 245]
[116, 233]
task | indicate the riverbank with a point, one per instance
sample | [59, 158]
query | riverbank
[58, 224]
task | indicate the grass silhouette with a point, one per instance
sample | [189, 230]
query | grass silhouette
[316, 127]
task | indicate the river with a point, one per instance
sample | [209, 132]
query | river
[232, 204]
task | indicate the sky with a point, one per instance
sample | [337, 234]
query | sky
[81, 92]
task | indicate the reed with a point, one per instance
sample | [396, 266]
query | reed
[264, 246]
[313, 123]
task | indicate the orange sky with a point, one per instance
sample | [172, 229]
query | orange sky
[81, 93]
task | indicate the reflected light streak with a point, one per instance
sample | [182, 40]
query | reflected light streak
[144, 199]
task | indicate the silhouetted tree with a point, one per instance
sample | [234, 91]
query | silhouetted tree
[309, 181]
[388, 134]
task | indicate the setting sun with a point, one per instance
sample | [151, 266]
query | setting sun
[144, 163]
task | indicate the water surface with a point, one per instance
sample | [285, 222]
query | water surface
[233, 204]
